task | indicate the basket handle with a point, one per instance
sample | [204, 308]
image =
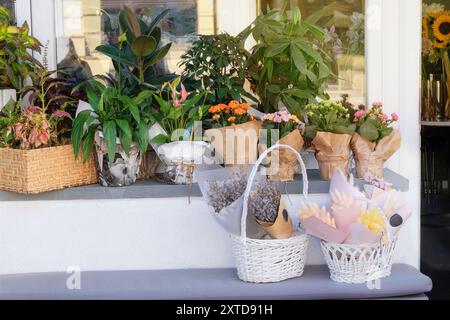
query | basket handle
[252, 177]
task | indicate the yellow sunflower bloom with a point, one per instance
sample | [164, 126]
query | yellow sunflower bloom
[441, 27]
[440, 44]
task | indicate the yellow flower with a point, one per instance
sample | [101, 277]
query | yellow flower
[373, 220]
[441, 28]
[439, 44]
[231, 119]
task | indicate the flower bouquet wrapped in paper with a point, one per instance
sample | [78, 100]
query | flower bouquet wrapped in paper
[330, 128]
[358, 230]
[235, 133]
[281, 128]
[374, 141]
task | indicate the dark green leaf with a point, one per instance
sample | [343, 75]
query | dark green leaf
[110, 136]
[115, 54]
[143, 46]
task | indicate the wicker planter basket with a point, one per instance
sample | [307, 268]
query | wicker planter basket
[350, 263]
[263, 261]
[46, 169]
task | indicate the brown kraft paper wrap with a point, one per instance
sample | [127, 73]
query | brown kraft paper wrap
[332, 153]
[236, 144]
[282, 227]
[371, 156]
[283, 163]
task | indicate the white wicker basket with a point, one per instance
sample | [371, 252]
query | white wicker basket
[350, 263]
[269, 260]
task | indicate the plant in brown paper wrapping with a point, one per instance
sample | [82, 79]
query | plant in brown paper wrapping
[269, 210]
[331, 129]
[234, 134]
[375, 140]
[283, 163]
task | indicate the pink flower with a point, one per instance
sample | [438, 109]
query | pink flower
[359, 114]
[384, 117]
[394, 116]
[377, 104]
[176, 103]
[184, 93]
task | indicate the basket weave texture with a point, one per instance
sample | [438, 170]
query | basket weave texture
[269, 260]
[42, 170]
[359, 263]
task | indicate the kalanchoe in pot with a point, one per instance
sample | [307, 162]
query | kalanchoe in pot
[330, 127]
[375, 140]
[117, 127]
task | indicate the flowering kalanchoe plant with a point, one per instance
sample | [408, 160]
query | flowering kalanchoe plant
[282, 121]
[373, 125]
[177, 110]
[224, 115]
[328, 116]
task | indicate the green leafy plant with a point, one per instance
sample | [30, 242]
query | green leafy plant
[136, 53]
[286, 64]
[328, 116]
[373, 125]
[217, 65]
[116, 116]
[177, 111]
[16, 62]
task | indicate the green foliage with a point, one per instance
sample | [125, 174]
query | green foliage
[177, 111]
[116, 116]
[217, 65]
[328, 116]
[9, 116]
[16, 63]
[137, 53]
[285, 64]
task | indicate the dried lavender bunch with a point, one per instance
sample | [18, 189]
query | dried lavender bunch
[223, 193]
[264, 201]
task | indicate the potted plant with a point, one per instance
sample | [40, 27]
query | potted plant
[375, 141]
[281, 127]
[177, 135]
[217, 64]
[235, 132]
[286, 64]
[35, 155]
[117, 126]
[330, 128]
[16, 62]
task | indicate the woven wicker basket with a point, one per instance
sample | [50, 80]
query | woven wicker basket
[359, 263]
[46, 169]
[269, 260]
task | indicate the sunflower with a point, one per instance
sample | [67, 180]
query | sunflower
[441, 27]
[439, 44]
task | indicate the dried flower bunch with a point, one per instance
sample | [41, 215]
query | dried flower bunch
[223, 193]
[264, 201]
[224, 115]
[373, 125]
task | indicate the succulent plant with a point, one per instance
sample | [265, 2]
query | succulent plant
[264, 201]
[223, 193]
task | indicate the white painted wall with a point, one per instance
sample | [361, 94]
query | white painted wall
[167, 233]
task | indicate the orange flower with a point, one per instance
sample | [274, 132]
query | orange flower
[222, 106]
[233, 104]
[239, 111]
[231, 119]
[214, 109]
[245, 106]
[216, 117]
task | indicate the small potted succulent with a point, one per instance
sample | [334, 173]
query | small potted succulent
[117, 127]
[177, 135]
[234, 133]
[281, 127]
[330, 127]
[16, 62]
[35, 155]
[375, 141]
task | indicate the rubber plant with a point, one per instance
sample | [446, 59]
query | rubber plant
[287, 63]
[136, 53]
[16, 62]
